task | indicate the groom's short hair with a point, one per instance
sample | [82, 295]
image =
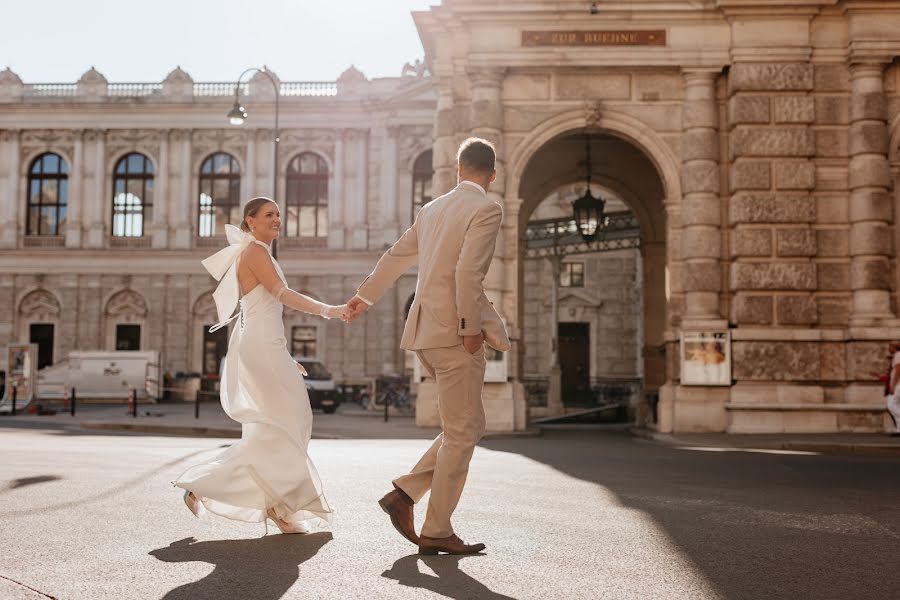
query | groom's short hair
[478, 154]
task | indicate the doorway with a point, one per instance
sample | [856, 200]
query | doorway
[574, 363]
[42, 335]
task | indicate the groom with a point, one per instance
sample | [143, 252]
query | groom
[450, 319]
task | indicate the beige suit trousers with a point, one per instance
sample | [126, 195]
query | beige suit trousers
[444, 467]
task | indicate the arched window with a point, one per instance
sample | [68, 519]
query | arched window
[220, 194]
[48, 194]
[132, 195]
[307, 196]
[421, 188]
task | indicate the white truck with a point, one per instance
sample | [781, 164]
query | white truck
[102, 376]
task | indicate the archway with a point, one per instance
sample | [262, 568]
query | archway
[550, 168]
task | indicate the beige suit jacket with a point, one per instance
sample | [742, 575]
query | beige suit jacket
[452, 240]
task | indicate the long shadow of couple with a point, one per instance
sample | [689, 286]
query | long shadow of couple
[448, 580]
[263, 568]
[266, 568]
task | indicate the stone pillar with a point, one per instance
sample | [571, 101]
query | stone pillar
[870, 209]
[75, 201]
[161, 199]
[701, 236]
[10, 162]
[183, 198]
[249, 177]
[487, 119]
[444, 154]
[554, 393]
[336, 199]
[95, 223]
[359, 231]
[390, 219]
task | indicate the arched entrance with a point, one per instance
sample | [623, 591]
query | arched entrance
[608, 337]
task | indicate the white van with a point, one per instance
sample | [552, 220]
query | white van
[102, 375]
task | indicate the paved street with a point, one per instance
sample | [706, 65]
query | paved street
[572, 514]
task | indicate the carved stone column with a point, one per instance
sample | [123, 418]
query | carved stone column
[444, 157]
[870, 209]
[701, 236]
[184, 199]
[487, 119]
[10, 160]
[75, 201]
[95, 225]
[161, 200]
[336, 198]
[389, 218]
[249, 178]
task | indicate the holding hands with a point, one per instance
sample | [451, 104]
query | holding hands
[355, 307]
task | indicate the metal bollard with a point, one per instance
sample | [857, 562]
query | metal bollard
[15, 390]
[386, 404]
[72, 405]
[132, 397]
[197, 405]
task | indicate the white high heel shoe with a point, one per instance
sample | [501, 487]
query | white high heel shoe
[284, 526]
[193, 504]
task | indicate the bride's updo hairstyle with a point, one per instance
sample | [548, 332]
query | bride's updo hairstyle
[251, 208]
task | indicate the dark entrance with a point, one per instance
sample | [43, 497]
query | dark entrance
[128, 337]
[215, 346]
[574, 363]
[42, 335]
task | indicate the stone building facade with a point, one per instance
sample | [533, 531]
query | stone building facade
[111, 195]
[757, 143]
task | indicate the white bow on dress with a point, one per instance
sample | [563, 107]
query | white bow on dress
[222, 266]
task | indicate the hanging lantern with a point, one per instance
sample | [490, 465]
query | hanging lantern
[588, 210]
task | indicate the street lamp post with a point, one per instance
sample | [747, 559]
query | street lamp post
[238, 114]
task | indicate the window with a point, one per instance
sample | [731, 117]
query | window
[220, 194]
[132, 195]
[48, 193]
[307, 196]
[303, 341]
[421, 188]
[572, 275]
[128, 337]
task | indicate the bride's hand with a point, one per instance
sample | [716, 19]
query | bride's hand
[302, 370]
[338, 312]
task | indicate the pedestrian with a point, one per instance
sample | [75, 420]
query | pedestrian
[892, 396]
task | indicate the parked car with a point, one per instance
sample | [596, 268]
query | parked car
[320, 385]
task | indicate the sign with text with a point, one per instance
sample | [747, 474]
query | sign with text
[655, 37]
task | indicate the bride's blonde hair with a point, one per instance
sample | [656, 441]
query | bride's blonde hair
[251, 208]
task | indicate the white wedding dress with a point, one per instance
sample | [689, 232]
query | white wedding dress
[262, 388]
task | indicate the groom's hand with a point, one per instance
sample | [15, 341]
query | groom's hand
[355, 306]
[473, 342]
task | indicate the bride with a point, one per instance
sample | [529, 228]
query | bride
[268, 474]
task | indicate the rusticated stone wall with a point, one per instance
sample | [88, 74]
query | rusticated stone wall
[773, 276]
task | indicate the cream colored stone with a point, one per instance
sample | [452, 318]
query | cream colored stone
[751, 242]
[769, 76]
[755, 421]
[794, 109]
[601, 86]
[795, 242]
[750, 175]
[795, 175]
[772, 141]
[810, 421]
[761, 207]
[833, 242]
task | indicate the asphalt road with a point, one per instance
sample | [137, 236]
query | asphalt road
[581, 514]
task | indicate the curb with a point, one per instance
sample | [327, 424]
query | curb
[219, 432]
[837, 448]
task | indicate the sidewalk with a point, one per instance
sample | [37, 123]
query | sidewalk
[350, 422]
[864, 444]
[178, 419]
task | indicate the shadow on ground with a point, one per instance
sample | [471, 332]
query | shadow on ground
[448, 579]
[755, 525]
[263, 568]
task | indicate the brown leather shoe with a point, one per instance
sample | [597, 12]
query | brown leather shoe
[399, 507]
[448, 545]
